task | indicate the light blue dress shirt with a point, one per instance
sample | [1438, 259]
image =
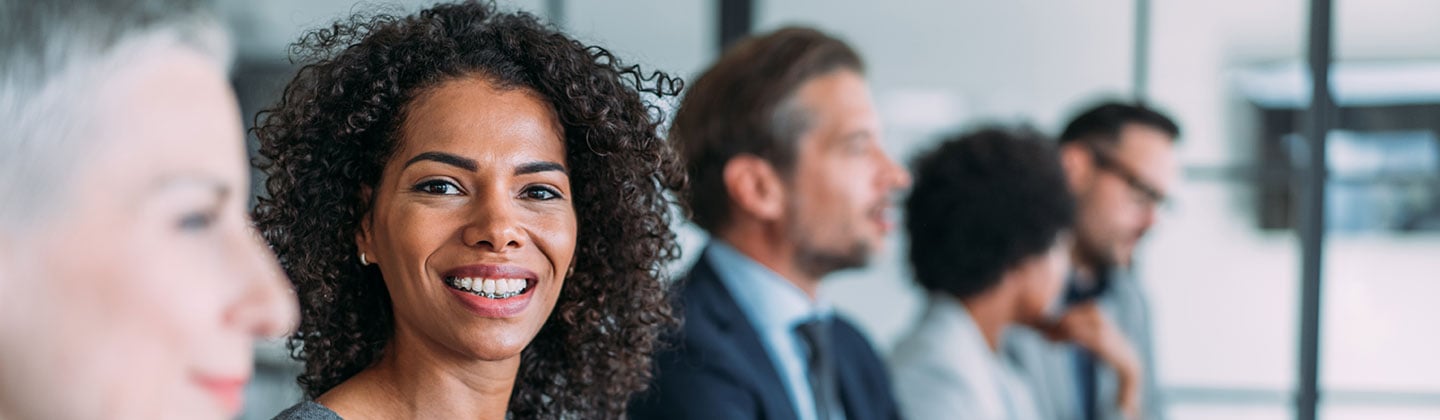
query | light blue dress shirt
[774, 306]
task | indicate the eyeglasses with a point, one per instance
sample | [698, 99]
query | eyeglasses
[1146, 194]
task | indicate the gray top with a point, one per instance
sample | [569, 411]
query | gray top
[307, 410]
[1049, 368]
[944, 369]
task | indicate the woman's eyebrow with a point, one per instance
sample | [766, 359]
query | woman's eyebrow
[534, 167]
[220, 189]
[163, 184]
[446, 158]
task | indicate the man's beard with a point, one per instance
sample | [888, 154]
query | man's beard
[1093, 254]
[816, 259]
[1099, 264]
[818, 262]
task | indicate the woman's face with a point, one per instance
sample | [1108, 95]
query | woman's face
[142, 298]
[1043, 279]
[472, 225]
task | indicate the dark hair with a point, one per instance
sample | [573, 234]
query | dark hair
[1102, 123]
[739, 106]
[984, 202]
[336, 126]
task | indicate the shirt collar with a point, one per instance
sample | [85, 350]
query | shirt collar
[769, 300]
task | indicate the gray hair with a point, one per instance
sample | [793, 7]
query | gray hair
[54, 56]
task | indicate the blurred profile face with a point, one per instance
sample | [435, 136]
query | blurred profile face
[1042, 279]
[840, 190]
[143, 297]
[472, 225]
[1115, 210]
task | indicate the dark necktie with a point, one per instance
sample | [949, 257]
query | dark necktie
[1086, 376]
[820, 369]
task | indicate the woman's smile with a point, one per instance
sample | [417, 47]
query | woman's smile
[492, 291]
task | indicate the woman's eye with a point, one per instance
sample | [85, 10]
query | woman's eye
[437, 187]
[196, 221]
[541, 193]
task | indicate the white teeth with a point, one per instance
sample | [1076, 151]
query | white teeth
[491, 288]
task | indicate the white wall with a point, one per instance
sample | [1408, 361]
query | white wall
[676, 36]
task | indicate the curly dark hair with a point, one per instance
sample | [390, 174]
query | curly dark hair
[983, 202]
[336, 126]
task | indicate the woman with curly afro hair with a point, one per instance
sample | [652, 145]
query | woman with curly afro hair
[472, 207]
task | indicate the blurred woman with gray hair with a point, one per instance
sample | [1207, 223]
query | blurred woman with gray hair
[131, 284]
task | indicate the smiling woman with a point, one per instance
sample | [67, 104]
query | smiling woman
[473, 209]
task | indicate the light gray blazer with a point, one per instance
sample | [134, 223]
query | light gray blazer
[943, 369]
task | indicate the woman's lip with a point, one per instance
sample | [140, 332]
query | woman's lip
[492, 272]
[493, 308]
[228, 391]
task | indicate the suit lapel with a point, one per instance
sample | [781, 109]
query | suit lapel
[852, 387]
[745, 354]
[856, 388]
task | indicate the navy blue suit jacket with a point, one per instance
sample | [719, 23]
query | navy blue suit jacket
[717, 368]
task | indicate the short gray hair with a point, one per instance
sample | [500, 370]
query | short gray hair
[54, 54]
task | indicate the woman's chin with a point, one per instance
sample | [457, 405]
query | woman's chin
[495, 346]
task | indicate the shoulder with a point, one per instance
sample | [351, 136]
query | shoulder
[930, 359]
[689, 303]
[1031, 350]
[701, 337]
[924, 395]
[307, 410]
[705, 307]
[917, 351]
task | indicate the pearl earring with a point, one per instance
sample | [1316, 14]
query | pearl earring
[362, 259]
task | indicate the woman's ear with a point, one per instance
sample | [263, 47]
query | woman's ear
[363, 244]
[755, 187]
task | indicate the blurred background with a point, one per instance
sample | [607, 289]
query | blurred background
[1228, 265]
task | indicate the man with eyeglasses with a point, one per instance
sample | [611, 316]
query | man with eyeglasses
[1092, 359]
